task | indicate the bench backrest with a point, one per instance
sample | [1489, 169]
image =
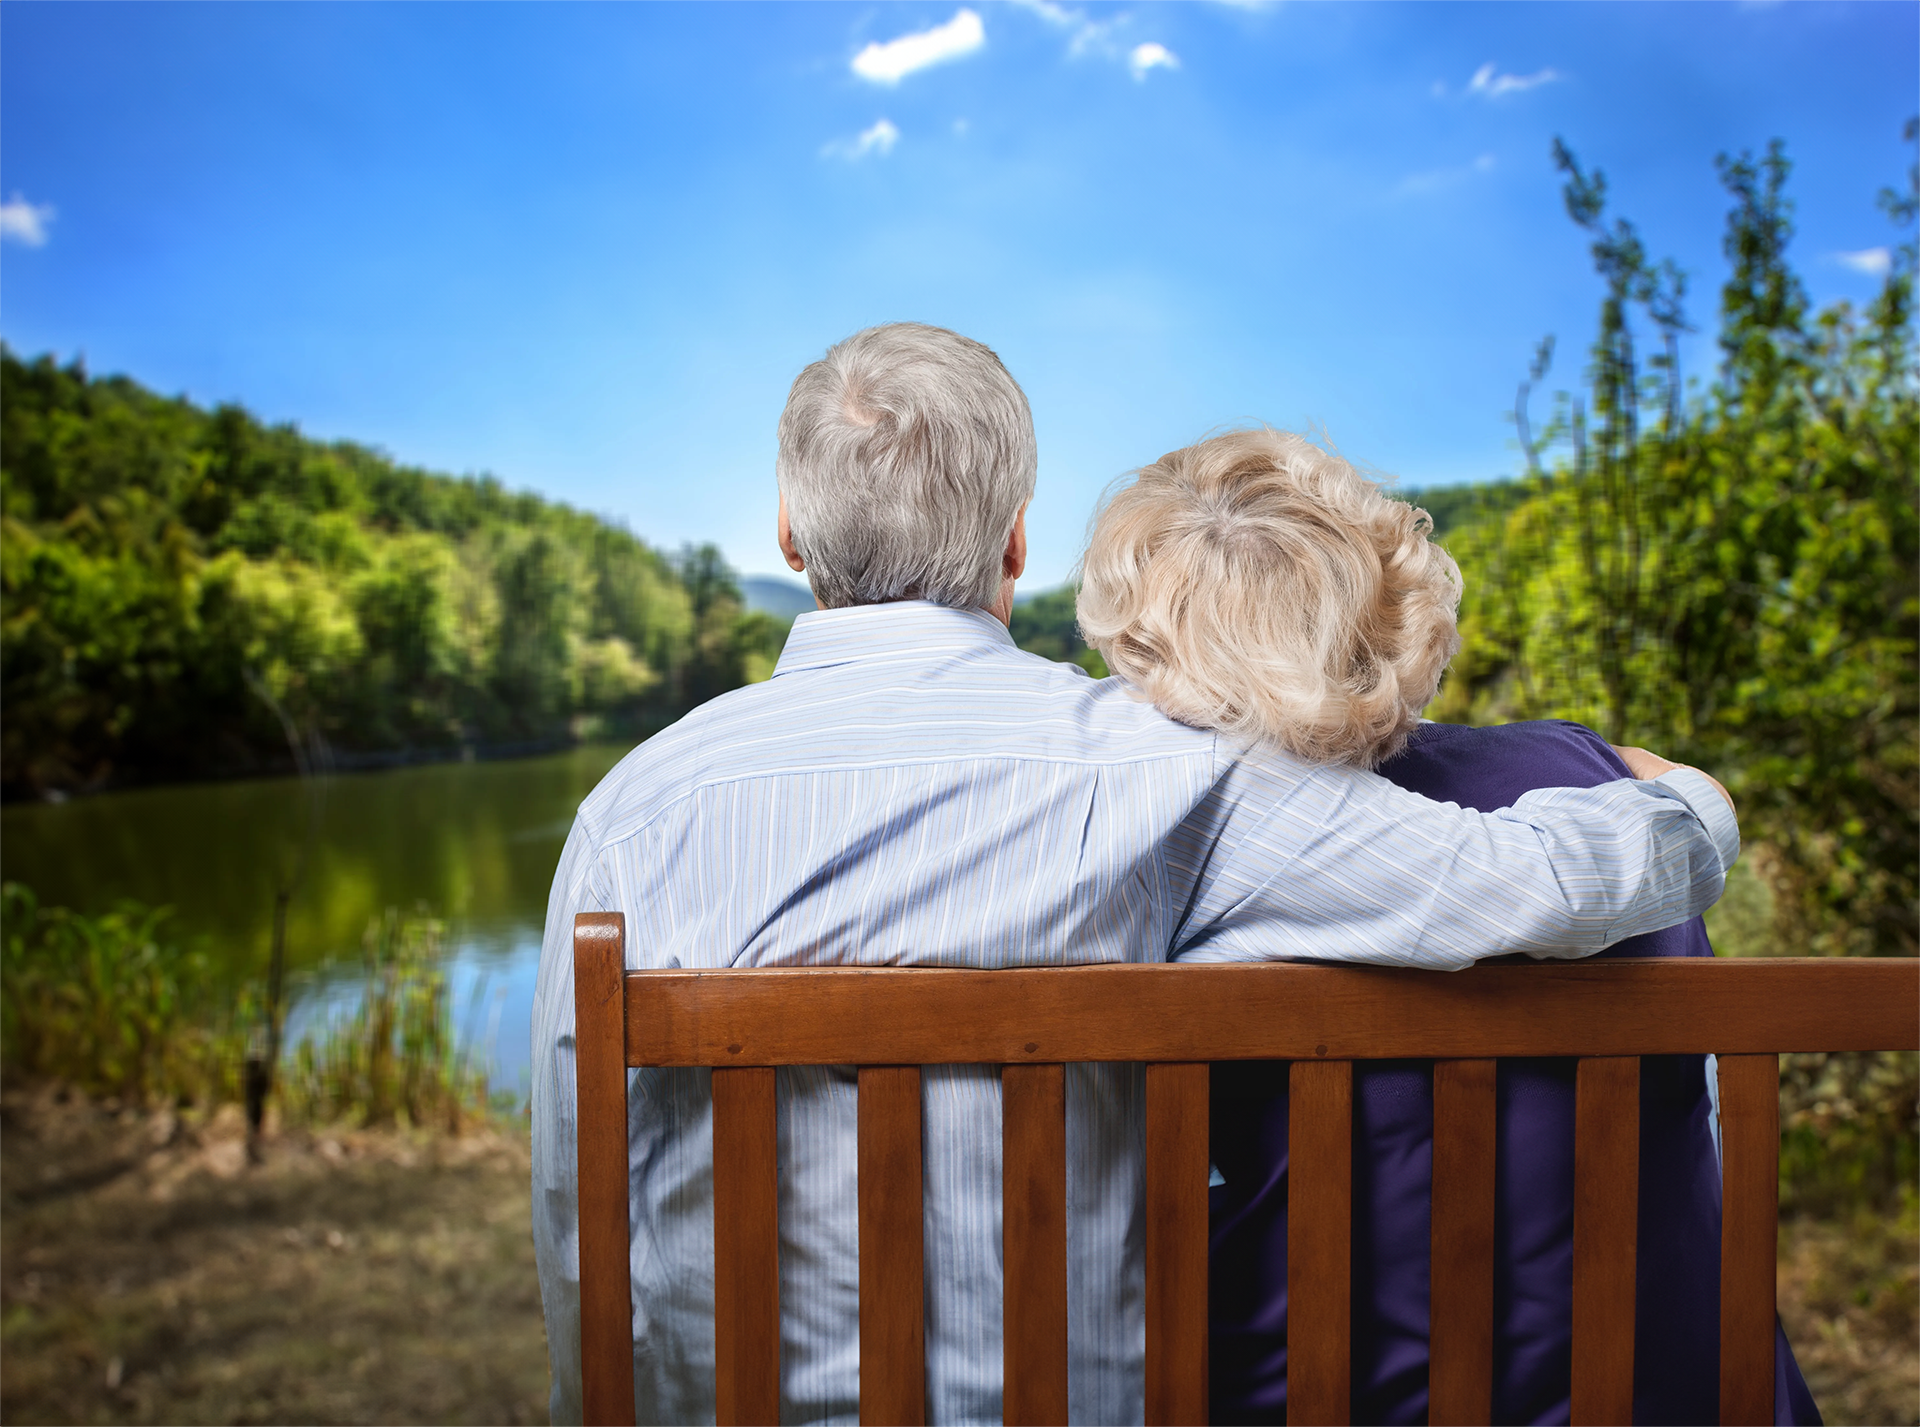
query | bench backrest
[1177, 1019]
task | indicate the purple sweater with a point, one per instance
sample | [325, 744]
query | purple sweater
[1677, 1321]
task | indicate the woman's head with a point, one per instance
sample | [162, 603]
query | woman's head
[1258, 584]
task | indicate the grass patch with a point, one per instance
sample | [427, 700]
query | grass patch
[120, 1008]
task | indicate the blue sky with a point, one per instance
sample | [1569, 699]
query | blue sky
[586, 248]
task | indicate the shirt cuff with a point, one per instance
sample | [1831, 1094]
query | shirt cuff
[1696, 790]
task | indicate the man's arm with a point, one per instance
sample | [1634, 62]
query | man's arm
[1336, 864]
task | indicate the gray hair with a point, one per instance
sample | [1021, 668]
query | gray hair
[906, 454]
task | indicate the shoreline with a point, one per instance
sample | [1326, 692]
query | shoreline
[367, 761]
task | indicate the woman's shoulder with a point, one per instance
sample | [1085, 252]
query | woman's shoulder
[1523, 736]
[1491, 766]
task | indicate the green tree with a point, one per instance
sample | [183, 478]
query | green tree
[159, 562]
[1736, 583]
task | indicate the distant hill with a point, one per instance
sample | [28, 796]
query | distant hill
[771, 594]
[1043, 620]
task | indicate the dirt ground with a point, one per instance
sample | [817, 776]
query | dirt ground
[1850, 1297]
[148, 1273]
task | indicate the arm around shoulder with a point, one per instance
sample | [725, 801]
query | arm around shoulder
[1342, 865]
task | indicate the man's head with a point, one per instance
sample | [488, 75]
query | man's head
[1259, 584]
[906, 458]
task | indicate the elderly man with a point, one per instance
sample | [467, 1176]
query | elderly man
[911, 789]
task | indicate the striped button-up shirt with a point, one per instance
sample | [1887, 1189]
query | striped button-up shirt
[910, 789]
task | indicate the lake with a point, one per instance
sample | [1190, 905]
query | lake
[473, 843]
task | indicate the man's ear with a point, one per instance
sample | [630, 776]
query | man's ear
[1013, 564]
[794, 562]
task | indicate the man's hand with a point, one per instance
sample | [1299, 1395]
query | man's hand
[1646, 766]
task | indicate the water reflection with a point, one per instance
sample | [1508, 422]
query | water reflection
[475, 843]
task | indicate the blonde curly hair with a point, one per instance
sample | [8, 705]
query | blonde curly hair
[1257, 584]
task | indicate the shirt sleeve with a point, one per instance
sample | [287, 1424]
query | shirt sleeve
[556, 1195]
[1338, 864]
[1696, 790]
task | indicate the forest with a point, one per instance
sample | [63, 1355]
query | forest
[194, 593]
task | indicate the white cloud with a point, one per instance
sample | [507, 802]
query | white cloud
[25, 222]
[1057, 15]
[1490, 83]
[1151, 56]
[1874, 262]
[879, 139]
[1085, 35]
[1439, 179]
[893, 61]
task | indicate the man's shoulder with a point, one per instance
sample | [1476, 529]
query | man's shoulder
[1015, 708]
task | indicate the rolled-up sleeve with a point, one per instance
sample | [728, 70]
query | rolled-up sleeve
[1696, 790]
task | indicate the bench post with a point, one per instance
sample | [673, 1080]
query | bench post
[746, 1247]
[1460, 1316]
[600, 1126]
[1606, 1231]
[893, 1342]
[1319, 1242]
[1033, 1226]
[1178, 1114]
[1749, 1234]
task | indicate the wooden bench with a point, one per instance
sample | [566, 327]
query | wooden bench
[1176, 1019]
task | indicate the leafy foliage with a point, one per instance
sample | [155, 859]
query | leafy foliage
[112, 1004]
[1047, 625]
[395, 1054]
[117, 1005]
[1733, 580]
[154, 556]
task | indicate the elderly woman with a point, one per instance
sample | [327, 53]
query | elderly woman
[1257, 584]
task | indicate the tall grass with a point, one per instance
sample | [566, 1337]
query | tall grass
[113, 1004]
[394, 1056]
[119, 1005]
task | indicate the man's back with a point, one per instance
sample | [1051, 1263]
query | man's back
[910, 789]
[919, 794]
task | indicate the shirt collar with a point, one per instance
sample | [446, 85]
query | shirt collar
[835, 636]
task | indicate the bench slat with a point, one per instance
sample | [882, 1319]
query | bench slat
[1319, 1242]
[1177, 1124]
[1606, 1223]
[893, 1344]
[600, 1071]
[1033, 1220]
[746, 1248]
[1749, 1234]
[851, 1016]
[1460, 1372]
